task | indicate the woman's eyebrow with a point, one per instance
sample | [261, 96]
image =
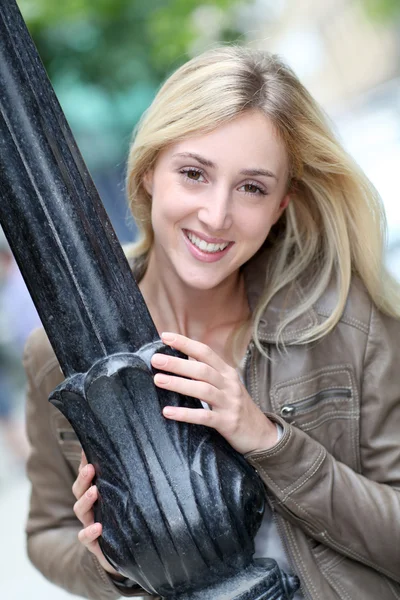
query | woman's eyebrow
[208, 163]
[257, 172]
[203, 161]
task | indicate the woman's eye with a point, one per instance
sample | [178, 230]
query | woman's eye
[192, 174]
[251, 188]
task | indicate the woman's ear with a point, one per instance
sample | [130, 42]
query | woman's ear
[282, 206]
[148, 182]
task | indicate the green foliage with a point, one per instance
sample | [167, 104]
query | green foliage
[113, 43]
[106, 58]
[173, 29]
[102, 43]
[383, 10]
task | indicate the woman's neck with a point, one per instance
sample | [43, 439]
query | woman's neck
[209, 316]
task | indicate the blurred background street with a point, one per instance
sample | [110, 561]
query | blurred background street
[106, 60]
[19, 580]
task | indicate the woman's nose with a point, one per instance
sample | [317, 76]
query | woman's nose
[216, 213]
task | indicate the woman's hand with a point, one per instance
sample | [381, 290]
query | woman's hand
[86, 495]
[234, 414]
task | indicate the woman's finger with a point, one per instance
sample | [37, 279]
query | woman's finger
[201, 352]
[84, 480]
[89, 535]
[198, 416]
[83, 462]
[188, 368]
[189, 387]
[83, 508]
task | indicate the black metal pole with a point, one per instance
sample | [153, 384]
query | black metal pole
[188, 505]
[54, 220]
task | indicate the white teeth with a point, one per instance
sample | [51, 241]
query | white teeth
[204, 245]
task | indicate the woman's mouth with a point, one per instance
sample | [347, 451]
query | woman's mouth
[207, 251]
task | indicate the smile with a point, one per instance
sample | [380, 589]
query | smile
[205, 246]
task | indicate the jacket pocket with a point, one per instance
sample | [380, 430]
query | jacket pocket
[325, 404]
[293, 410]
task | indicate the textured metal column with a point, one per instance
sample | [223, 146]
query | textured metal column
[54, 220]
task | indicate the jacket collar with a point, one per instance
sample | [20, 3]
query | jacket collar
[284, 301]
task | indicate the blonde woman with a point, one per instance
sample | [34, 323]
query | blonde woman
[261, 258]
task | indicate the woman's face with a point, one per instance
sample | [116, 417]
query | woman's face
[215, 198]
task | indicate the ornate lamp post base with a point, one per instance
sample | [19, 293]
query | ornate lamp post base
[262, 580]
[189, 504]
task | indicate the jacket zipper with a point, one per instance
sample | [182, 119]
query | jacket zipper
[250, 387]
[296, 408]
[246, 363]
[303, 588]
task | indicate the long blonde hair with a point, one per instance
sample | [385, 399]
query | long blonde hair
[335, 223]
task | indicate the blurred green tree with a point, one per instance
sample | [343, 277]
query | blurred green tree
[107, 58]
[383, 10]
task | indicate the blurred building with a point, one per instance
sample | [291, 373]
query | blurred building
[334, 47]
[350, 62]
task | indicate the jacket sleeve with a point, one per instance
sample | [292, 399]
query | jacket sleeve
[52, 527]
[358, 515]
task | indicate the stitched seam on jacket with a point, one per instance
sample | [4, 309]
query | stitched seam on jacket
[339, 397]
[255, 381]
[311, 471]
[342, 368]
[345, 369]
[367, 343]
[355, 428]
[344, 319]
[310, 517]
[327, 417]
[338, 369]
[310, 314]
[102, 573]
[337, 587]
[344, 550]
[271, 337]
[304, 525]
[317, 463]
[347, 552]
[288, 330]
[295, 550]
[275, 449]
[392, 589]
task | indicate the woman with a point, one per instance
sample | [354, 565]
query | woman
[261, 259]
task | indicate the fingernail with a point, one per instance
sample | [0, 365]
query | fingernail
[161, 378]
[168, 411]
[85, 471]
[89, 493]
[159, 360]
[168, 337]
[94, 529]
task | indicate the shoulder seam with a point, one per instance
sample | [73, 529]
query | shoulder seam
[352, 321]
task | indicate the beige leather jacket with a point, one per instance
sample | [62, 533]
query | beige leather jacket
[333, 479]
